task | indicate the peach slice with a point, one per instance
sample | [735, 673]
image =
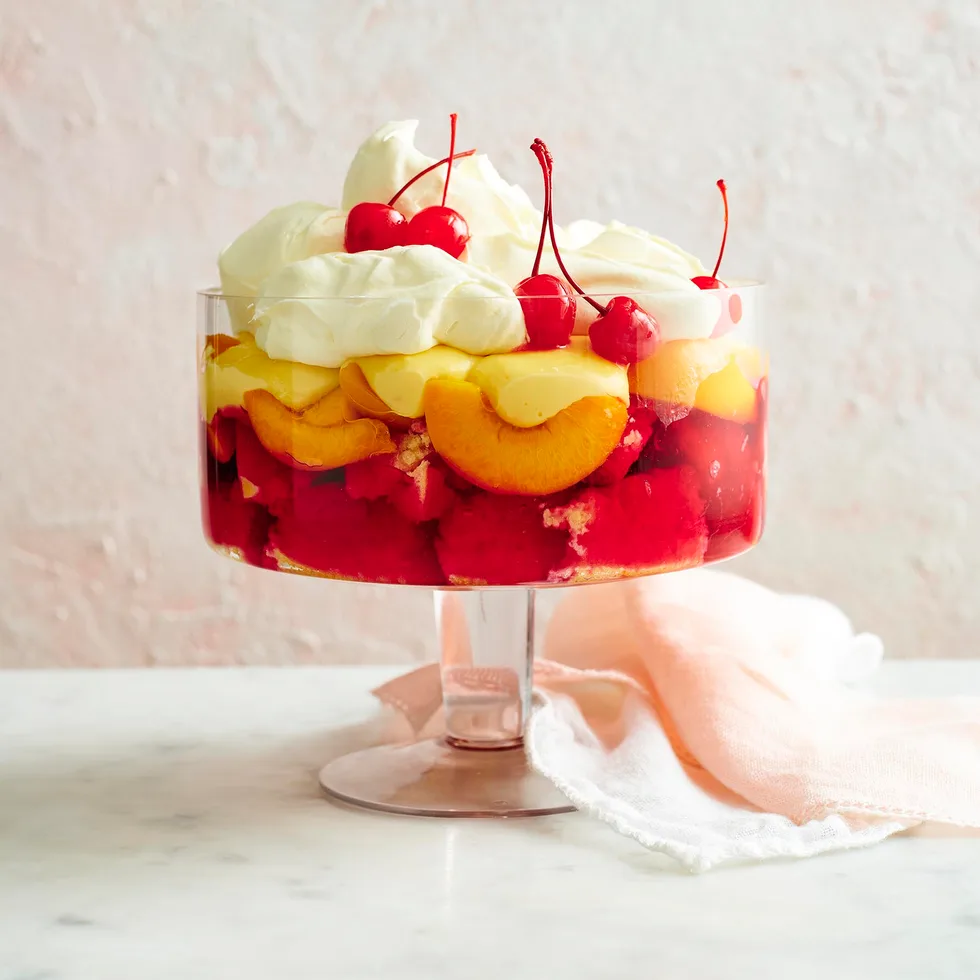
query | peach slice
[365, 400]
[333, 408]
[493, 454]
[219, 343]
[731, 392]
[715, 375]
[290, 438]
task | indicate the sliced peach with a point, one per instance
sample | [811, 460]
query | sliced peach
[731, 392]
[290, 438]
[672, 375]
[713, 374]
[365, 400]
[219, 343]
[333, 408]
[493, 454]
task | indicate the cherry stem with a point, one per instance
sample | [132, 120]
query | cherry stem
[543, 154]
[544, 159]
[452, 150]
[724, 234]
[428, 170]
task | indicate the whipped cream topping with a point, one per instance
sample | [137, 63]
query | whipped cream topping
[424, 294]
[613, 259]
[284, 235]
[504, 226]
[327, 308]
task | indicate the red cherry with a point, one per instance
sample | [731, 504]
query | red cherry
[708, 282]
[625, 333]
[373, 226]
[549, 311]
[548, 304]
[712, 282]
[440, 226]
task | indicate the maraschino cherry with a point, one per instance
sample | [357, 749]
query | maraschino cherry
[438, 225]
[372, 225]
[548, 304]
[712, 282]
[623, 332]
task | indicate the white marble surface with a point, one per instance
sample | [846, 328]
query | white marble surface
[167, 824]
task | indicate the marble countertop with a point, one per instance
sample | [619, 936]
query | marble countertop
[168, 824]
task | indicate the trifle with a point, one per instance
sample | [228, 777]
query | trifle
[439, 384]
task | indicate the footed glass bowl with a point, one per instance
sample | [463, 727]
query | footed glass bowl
[484, 479]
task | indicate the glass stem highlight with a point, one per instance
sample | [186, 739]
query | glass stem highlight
[486, 643]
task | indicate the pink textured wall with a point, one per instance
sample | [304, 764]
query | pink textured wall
[138, 136]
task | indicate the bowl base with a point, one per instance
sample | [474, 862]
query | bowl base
[435, 779]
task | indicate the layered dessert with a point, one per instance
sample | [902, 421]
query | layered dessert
[439, 384]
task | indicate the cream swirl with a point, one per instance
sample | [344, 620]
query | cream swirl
[284, 235]
[267, 260]
[403, 300]
[613, 259]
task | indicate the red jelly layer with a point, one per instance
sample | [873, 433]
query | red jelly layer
[669, 496]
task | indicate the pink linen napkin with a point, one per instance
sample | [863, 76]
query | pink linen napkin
[709, 718]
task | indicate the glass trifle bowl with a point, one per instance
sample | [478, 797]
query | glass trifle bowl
[449, 391]
[485, 479]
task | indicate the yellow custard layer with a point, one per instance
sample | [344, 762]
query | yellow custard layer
[399, 380]
[530, 387]
[244, 367]
[525, 388]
